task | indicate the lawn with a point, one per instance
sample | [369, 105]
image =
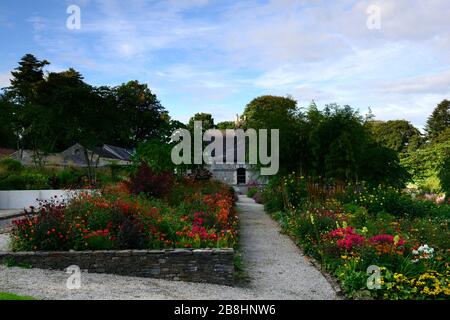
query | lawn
[10, 296]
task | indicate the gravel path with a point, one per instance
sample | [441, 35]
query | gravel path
[4, 242]
[275, 265]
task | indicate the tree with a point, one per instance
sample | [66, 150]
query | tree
[273, 112]
[26, 79]
[69, 105]
[226, 125]
[398, 135]
[140, 114]
[381, 166]
[8, 137]
[439, 120]
[337, 139]
[156, 155]
[425, 164]
[206, 119]
[341, 148]
[31, 119]
[444, 174]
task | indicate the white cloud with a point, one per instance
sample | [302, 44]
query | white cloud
[318, 49]
[434, 83]
[5, 79]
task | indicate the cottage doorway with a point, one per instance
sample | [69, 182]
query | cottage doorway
[241, 176]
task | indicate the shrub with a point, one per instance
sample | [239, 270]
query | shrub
[258, 197]
[396, 202]
[273, 196]
[148, 182]
[252, 191]
[295, 190]
[68, 179]
[444, 175]
[10, 166]
[24, 181]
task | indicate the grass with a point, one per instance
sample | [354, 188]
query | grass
[10, 296]
[10, 263]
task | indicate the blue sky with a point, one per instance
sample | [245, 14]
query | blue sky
[216, 55]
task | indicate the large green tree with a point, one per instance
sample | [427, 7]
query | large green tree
[439, 120]
[342, 148]
[226, 125]
[8, 136]
[206, 119]
[31, 119]
[336, 141]
[398, 135]
[444, 174]
[140, 114]
[74, 111]
[274, 112]
[26, 79]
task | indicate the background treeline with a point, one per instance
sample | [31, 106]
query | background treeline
[51, 112]
[48, 112]
[337, 144]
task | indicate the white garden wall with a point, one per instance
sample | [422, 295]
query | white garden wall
[20, 200]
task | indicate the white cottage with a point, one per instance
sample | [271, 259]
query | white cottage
[235, 173]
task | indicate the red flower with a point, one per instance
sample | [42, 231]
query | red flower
[385, 239]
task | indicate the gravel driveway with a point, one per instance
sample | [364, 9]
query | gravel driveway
[4, 242]
[276, 267]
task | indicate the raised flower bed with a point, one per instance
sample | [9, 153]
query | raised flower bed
[189, 215]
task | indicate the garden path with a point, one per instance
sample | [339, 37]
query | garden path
[276, 267]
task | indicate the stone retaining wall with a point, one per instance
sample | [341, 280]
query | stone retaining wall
[202, 265]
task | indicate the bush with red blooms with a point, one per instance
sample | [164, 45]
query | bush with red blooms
[147, 181]
[346, 238]
[115, 218]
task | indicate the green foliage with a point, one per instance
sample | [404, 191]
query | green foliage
[294, 190]
[140, 115]
[439, 120]
[252, 191]
[273, 196]
[25, 181]
[156, 154]
[226, 125]
[395, 202]
[444, 175]
[425, 163]
[381, 166]
[10, 166]
[12, 297]
[13, 176]
[398, 135]
[272, 112]
[8, 137]
[206, 119]
[31, 110]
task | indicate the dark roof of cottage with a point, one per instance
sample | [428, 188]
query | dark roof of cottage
[106, 151]
[113, 152]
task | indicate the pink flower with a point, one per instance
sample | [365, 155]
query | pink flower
[385, 239]
[351, 240]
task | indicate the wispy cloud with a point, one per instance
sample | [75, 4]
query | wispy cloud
[5, 79]
[217, 54]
